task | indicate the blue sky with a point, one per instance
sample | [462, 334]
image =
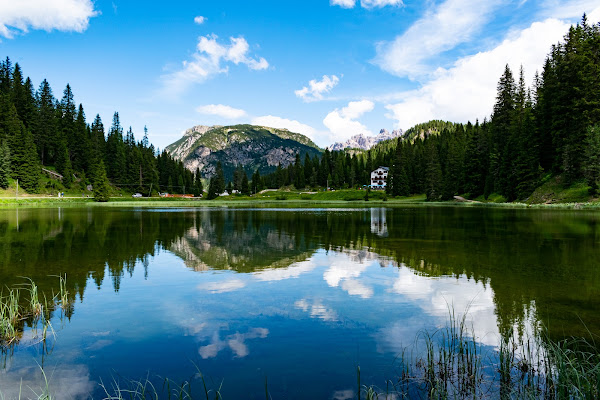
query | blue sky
[326, 68]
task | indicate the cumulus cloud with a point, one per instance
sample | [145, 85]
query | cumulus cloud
[440, 29]
[199, 20]
[210, 59]
[368, 4]
[235, 342]
[381, 3]
[315, 89]
[222, 111]
[225, 286]
[283, 123]
[346, 274]
[343, 3]
[343, 122]
[63, 15]
[316, 309]
[467, 90]
[279, 274]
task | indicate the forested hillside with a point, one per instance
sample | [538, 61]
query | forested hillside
[550, 130]
[37, 130]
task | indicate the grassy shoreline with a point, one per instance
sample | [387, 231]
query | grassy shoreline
[270, 202]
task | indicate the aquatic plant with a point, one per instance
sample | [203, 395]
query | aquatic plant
[14, 315]
[9, 317]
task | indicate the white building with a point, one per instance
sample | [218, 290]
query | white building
[379, 178]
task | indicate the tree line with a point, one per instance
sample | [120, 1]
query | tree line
[551, 128]
[37, 130]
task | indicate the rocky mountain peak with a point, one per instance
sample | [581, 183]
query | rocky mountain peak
[364, 142]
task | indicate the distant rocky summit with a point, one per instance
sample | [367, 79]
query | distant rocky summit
[252, 147]
[363, 142]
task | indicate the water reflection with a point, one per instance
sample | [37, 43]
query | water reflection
[229, 286]
[65, 382]
[235, 342]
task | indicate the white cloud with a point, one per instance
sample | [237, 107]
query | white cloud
[570, 9]
[316, 310]
[368, 4]
[199, 20]
[342, 123]
[440, 29]
[235, 342]
[343, 3]
[467, 90]
[283, 123]
[208, 61]
[381, 3]
[63, 15]
[345, 273]
[225, 286]
[315, 89]
[357, 288]
[65, 381]
[221, 110]
[279, 274]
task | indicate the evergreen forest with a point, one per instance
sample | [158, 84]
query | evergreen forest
[40, 134]
[548, 129]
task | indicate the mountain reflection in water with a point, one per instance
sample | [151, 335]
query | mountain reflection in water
[249, 293]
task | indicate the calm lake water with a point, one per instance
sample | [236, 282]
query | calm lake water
[298, 296]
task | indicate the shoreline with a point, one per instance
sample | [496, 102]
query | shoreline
[47, 202]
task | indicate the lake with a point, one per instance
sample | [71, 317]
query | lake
[294, 298]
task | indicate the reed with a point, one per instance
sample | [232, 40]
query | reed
[16, 311]
[64, 293]
[10, 315]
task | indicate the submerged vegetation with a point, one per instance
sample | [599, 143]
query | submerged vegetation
[34, 310]
[452, 363]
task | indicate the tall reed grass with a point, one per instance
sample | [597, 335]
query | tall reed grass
[17, 311]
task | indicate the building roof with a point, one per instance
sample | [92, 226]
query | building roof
[385, 168]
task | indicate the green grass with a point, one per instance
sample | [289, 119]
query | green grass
[574, 197]
[554, 191]
[492, 198]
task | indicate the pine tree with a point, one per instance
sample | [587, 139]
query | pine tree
[198, 187]
[115, 152]
[433, 173]
[4, 165]
[256, 182]
[5, 76]
[101, 186]
[592, 159]
[81, 147]
[46, 124]
[476, 161]
[245, 189]
[145, 141]
[500, 158]
[25, 164]
[68, 113]
[220, 182]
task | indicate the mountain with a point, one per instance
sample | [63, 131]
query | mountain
[426, 129]
[253, 147]
[363, 142]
